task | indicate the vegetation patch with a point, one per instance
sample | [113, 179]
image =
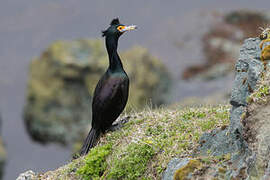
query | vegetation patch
[132, 163]
[262, 92]
[143, 148]
[95, 162]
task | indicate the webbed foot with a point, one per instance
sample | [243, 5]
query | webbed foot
[119, 124]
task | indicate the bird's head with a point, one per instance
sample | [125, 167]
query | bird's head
[116, 29]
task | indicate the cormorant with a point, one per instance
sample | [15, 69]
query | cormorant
[111, 93]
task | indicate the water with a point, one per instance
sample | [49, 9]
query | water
[28, 27]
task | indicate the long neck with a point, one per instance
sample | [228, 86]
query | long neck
[115, 61]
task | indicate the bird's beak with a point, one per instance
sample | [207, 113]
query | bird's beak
[129, 28]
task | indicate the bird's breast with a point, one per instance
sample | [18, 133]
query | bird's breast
[112, 86]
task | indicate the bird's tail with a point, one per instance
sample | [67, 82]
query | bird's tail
[90, 141]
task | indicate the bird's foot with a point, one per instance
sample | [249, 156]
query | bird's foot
[115, 127]
[119, 124]
[125, 120]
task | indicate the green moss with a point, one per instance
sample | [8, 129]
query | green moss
[194, 114]
[133, 162]
[183, 172]
[95, 162]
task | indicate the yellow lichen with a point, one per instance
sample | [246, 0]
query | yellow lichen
[265, 54]
[227, 157]
[222, 170]
[183, 172]
[265, 37]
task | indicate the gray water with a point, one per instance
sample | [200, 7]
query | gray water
[28, 27]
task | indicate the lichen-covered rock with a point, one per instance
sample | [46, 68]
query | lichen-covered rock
[248, 69]
[247, 139]
[62, 81]
[212, 167]
[173, 165]
[186, 169]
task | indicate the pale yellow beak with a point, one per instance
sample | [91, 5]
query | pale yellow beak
[129, 28]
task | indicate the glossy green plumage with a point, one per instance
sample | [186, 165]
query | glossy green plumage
[111, 93]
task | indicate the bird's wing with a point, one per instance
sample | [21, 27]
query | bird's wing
[109, 95]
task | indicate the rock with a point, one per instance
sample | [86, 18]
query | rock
[248, 69]
[173, 165]
[242, 150]
[187, 168]
[231, 140]
[248, 137]
[63, 78]
[28, 175]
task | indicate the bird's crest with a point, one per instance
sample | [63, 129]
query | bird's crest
[115, 21]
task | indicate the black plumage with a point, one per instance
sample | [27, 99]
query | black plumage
[111, 93]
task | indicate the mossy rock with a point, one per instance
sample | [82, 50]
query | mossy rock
[142, 148]
[62, 81]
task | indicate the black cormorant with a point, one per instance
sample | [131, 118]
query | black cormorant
[111, 93]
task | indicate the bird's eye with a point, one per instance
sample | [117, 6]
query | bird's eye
[120, 28]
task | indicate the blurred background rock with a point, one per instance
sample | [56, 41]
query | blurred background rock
[63, 79]
[3, 155]
[221, 44]
[193, 44]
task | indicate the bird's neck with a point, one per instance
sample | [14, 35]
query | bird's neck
[115, 61]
